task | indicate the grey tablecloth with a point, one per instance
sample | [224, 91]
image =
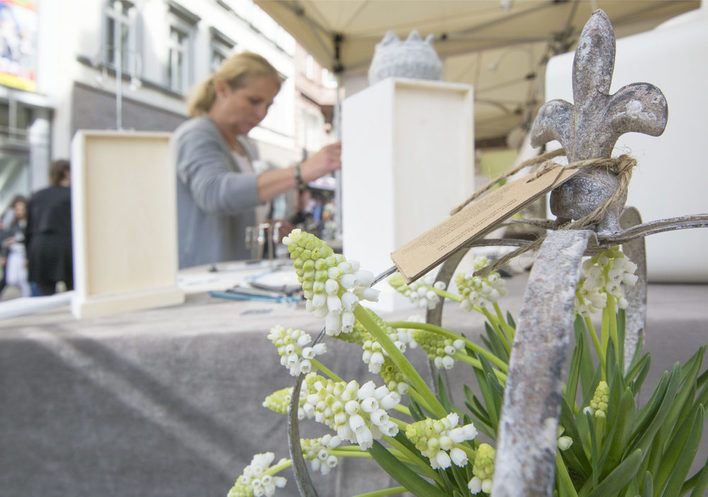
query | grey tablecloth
[167, 402]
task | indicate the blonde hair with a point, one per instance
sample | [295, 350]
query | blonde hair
[236, 71]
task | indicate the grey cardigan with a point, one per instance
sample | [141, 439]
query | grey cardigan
[215, 200]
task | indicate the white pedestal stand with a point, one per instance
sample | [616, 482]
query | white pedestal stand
[408, 155]
[124, 223]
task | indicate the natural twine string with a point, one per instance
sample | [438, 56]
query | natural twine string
[620, 166]
[534, 161]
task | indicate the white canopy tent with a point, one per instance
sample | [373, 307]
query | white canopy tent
[499, 46]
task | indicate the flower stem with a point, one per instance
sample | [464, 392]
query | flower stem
[317, 364]
[451, 334]
[596, 343]
[286, 463]
[418, 459]
[612, 318]
[605, 338]
[476, 364]
[401, 424]
[413, 394]
[350, 453]
[383, 492]
[362, 315]
[403, 409]
[447, 295]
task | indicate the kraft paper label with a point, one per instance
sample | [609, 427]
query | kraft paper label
[475, 220]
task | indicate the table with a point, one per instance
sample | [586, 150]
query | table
[167, 402]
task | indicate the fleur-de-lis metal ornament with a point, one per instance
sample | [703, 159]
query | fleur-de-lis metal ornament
[589, 128]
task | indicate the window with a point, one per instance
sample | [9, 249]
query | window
[119, 39]
[179, 48]
[178, 60]
[221, 47]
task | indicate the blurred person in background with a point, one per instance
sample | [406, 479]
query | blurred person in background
[48, 235]
[218, 189]
[12, 248]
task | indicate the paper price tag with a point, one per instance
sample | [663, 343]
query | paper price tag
[478, 218]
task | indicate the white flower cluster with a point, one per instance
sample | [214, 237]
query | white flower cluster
[332, 285]
[374, 354]
[439, 440]
[356, 413]
[479, 290]
[603, 275]
[483, 470]
[293, 350]
[255, 480]
[421, 292]
[317, 451]
[440, 350]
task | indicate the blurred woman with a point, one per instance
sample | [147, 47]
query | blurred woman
[48, 235]
[217, 188]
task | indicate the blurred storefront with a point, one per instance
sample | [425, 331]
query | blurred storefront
[128, 65]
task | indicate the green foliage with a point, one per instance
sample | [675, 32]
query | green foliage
[619, 448]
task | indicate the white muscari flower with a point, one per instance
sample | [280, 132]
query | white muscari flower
[421, 292]
[479, 290]
[356, 413]
[565, 442]
[257, 480]
[332, 285]
[602, 275]
[482, 469]
[439, 440]
[440, 350]
[475, 485]
[294, 354]
[317, 451]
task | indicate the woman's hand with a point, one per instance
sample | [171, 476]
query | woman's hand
[326, 160]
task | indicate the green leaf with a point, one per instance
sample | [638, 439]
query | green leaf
[587, 368]
[594, 450]
[443, 395]
[681, 404]
[698, 482]
[403, 474]
[576, 453]
[651, 416]
[621, 416]
[637, 373]
[564, 484]
[673, 450]
[619, 478]
[648, 485]
[571, 388]
[494, 343]
[488, 396]
[510, 320]
[683, 463]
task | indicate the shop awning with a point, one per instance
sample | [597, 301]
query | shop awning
[498, 46]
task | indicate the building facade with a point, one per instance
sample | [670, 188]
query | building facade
[125, 65]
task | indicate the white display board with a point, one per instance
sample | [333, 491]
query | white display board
[124, 216]
[408, 159]
[671, 177]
